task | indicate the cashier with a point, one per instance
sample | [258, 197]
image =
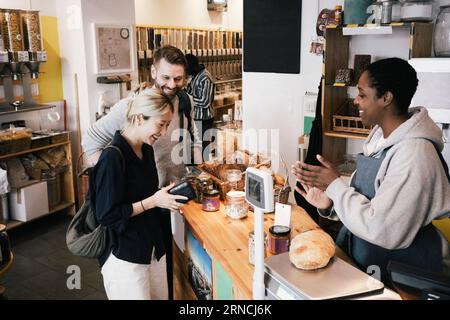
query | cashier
[400, 184]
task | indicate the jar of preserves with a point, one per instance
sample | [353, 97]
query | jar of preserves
[31, 30]
[442, 33]
[11, 30]
[235, 205]
[211, 200]
[279, 239]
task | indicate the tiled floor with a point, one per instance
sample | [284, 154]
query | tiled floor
[41, 259]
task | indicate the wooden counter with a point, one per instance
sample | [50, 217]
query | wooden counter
[226, 241]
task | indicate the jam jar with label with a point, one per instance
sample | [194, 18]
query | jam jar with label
[211, 200]
[279, 239]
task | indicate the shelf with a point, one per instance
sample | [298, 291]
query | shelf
[431, 65]
[11, 110]
[61, 206]
[11, 224]
[345, 135]
[230, 105]
[34, 150]
[227, 81]
[366, 30]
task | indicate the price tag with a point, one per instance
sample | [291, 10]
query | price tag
[282, 215]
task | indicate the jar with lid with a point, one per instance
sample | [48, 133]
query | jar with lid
[279, 239]
[12, 30]
[417, 11]
[251, 247]
[202, 183]
[235, 205]
[31, 30]
[338, 15]
[211, 200]
[442, 33]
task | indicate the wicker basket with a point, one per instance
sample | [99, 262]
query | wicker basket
[350, 124]
[346, 119]
[217, 173]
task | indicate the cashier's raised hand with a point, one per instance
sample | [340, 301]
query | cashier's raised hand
[164, 199]
[315, 196]
[316, 176]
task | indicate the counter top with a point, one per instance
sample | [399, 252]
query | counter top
[227, 239]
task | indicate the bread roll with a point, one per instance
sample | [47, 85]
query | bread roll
[311, 250]
[279, 180]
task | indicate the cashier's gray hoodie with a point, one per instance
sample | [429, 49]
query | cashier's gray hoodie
[411, 186]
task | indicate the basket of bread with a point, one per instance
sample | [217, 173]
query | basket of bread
[14, 140]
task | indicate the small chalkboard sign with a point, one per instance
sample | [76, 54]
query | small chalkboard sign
[272, 35]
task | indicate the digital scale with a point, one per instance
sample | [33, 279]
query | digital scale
[278, 278]
[338, 280]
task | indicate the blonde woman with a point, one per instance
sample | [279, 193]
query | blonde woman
[128, 201]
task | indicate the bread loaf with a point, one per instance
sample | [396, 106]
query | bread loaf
[311, 250]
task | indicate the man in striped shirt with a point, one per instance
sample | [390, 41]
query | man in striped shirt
[201, 88]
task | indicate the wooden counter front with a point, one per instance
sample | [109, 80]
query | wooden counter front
[226, 241]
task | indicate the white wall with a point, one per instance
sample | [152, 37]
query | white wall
[189, 13]
[76, 19]
[46, 7]
[106, 12]
[273, 100]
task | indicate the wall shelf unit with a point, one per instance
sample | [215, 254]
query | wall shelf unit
[337, 56]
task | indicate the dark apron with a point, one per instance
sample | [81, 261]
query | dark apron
[425, 251]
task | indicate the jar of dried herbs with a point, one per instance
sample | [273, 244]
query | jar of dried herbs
[31, 30]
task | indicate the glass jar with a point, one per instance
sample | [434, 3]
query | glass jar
[442, 33]
[31, 30]
[202, 183]
[11, 30]
[417, 11]
[279, 239]
[211, 200]
[233, 177]
[251, 247]
[236, 206]
[386, 11]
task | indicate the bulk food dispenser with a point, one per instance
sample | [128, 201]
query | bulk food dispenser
[21, 54]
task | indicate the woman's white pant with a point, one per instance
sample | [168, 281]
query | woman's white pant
[124, 280]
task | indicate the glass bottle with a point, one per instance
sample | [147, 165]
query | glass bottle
[442, 33]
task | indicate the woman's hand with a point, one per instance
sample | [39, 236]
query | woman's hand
[316, 176]
[164, 199]
[315, 196]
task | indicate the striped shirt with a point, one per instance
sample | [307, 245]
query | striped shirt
[201, 88]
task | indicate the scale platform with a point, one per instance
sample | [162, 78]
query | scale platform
[337, 280]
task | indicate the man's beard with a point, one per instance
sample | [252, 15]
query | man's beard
[171, 95]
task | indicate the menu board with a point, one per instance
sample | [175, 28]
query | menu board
[114, 49]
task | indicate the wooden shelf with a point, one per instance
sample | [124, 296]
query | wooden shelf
[11, 110]
[345, 135]
[61, 206]
[34, 150]
[11, 224]
[225, 106]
